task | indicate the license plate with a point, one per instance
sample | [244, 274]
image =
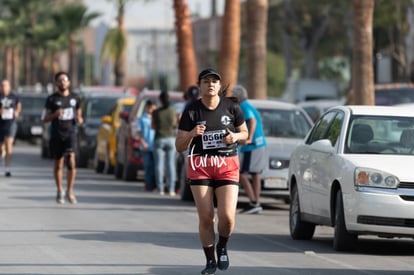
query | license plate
[36, 130]
[275, 183]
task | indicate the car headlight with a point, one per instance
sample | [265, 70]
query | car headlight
[365, 177]
[275, 163]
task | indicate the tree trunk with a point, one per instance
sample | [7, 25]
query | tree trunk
[256, 22]
[27, 65]
[120, 63]
[230, 45]
[362, 65]
[187, 66]
[73, 64]
[7, 65]
[44, 73]
[15, 79]
[287, 41]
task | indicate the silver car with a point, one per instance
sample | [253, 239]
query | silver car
[284, 125]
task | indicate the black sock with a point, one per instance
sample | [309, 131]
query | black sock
[209, 252]
[222, 242]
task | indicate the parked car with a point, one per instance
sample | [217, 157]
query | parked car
[394, 93]
[29, 123]
[105, 151]
[285, 125]
[129, 158]
[352, 172]
[305, 89]
[94, 106]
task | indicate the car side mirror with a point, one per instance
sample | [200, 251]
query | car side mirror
[106, 119]
[324, 146]
[124, 115]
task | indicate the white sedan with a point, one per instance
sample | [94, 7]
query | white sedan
[354, 172]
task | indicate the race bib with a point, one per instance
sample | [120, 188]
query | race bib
[67, 114]
[7, 113]
[214, 139]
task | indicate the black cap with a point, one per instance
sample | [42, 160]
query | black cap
[208, 72]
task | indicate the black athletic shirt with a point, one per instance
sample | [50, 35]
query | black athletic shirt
[9, 103]
[64, 126]
[227, 115]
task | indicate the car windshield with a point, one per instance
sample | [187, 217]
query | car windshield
[284, 123]
[32, 103]
[380, 135]
[98, 107]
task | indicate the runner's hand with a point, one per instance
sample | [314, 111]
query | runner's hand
[230, 138]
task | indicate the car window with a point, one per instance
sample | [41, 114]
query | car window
[32, 103]
[174, 102]
[284, 123]
[335, 128]
[125, 108]
[321, 128]
[98, 107]
[380, 135]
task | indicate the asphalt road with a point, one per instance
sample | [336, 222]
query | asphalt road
[118, 228]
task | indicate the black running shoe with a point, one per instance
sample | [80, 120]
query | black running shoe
[222, 258]
[210, 268]
[7, 174]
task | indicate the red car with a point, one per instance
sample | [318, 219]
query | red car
[129, 161]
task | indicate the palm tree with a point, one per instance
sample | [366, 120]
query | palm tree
[14, 31]
[73, 18]
[187, 66]
[115, 44]
[362, 65]
[230, 44]
[256, 24]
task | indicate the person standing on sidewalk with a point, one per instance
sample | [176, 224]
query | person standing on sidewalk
[146, 137]
[62, 110]
[210, 129]
[10, 107]
[164, 121]
[253, 154]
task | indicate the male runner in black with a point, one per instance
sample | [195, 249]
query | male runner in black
[63, 111]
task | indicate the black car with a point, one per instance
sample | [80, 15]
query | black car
[94, 106]
[29, 123]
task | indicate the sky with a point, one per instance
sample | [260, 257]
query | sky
[149, 13]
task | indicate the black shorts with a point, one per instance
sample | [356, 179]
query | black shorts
[8, 132]
[60, 146]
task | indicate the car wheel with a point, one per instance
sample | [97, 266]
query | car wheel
[118, 170]
[299, 230]
[129, 172]
[81, 160]
[343, 240]
[109, 169]
[185, 189]
[45, 152]
[99, 165]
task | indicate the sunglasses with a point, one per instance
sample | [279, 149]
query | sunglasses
[62, 79]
